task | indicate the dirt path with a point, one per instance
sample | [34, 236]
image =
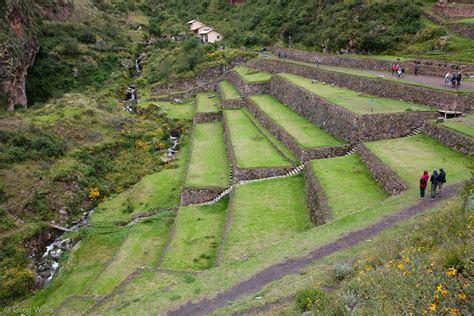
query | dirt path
[291, 266]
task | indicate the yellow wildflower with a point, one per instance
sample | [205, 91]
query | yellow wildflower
[444, 292]
[94, 193]
[400, 266]
[432, 307]
[425, 311]
[451, 272]
[453, 312]
[462, 296]
[436, 298]
[439, 288]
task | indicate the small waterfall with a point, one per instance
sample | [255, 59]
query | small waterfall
[131, 99]
[138, 64]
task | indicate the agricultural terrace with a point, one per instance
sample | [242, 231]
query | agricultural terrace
[464, 125]
[265, 213]
[178, 111]
[160, 190]
[410, 156]
[251, 147]
[307, 134]
[208, 165]
[207, 102]
[229, 92]
[348, 184]
[197, 236]
[251, 75]
[353, 100]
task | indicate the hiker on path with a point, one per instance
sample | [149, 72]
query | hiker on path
[318, 62]
[424, 183]
[441, 180]
[434, 184]
[394, 69]
[447, 79]
[417, 69]
[458, 80]
[399, 72]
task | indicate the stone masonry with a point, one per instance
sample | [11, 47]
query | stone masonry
[450, 138]
[199, 195]
[248, 88]
[378, 87]
[317, 203]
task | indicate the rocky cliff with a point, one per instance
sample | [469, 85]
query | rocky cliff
[18, 44]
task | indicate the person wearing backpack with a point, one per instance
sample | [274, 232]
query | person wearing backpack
[434, 183]
[424, 183]
[441, 180]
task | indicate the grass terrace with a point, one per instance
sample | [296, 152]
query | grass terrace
[348, 184]
[208, 166]
[205, 103]
[251, 75]
[464, 125]
[465, 21]
[229, 92]
[197, 237]
[178, 111]
[410, 156]
[142, 247]
[306, 133]
[252, 149]
[353, 100]
[265, 213]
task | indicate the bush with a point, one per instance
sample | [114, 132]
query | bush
[343, 270]
[311, 299]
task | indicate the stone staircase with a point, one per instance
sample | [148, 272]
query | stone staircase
[352, 151]
[227, 191]
[416, 131]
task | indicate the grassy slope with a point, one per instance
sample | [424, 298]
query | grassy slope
[250, 75]
[208, 165]
[465, 21]
[410, 156]
[206, 104]
[265, 213]
[306, 133]
[251, 148]
[464, 125]
[156, 191]
[352, 100]
[229, 91]
[348, 184]
[142, 247]
[178, 111]
[198, 233]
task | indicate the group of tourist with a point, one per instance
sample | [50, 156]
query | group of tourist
[397, 70]
[453, 80]
[437, 181]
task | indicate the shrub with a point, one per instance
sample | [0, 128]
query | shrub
[311, 299]
[343, 270]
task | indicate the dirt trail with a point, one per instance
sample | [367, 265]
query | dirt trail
[291, 266]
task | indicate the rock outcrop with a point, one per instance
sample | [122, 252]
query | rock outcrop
[19, 49]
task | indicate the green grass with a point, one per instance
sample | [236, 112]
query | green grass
[198, 233]
[352, 100]
[250, 146]
[348, 184]
[464, 125]
[81, 267]
[251, 75]
[155, 191]
[142, 247]
[229, 91]
[465, 21]
[410, 156]
[206, 104]
[306, 133]
[265, 213]
[75, 306]
[208, 165]
[178, 111]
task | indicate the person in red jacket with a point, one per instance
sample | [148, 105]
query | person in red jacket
[424, 183]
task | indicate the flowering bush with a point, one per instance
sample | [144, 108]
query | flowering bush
[93, 194]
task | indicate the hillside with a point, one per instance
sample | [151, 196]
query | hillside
[144, 171]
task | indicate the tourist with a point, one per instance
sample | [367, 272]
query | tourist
[434, 183]
[447, 79]
[317, 62]
[441, 180]
[424, 183]
[458, 80]
[399, 72]
[417, 69]
[394, 69]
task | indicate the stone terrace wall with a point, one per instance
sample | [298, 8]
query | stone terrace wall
[450, 138]
[317, 203]
[454, 12]
[385, 177]
[291, 143]
[373, 86]
[229, 103]
[344, 124]
[207, 117]
[199, 195]
[428, 67]
[241, 174]
[463, 29]
[248, 88]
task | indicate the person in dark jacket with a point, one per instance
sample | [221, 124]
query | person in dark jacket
[434, 184]
[424, 183]
[441, 180]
